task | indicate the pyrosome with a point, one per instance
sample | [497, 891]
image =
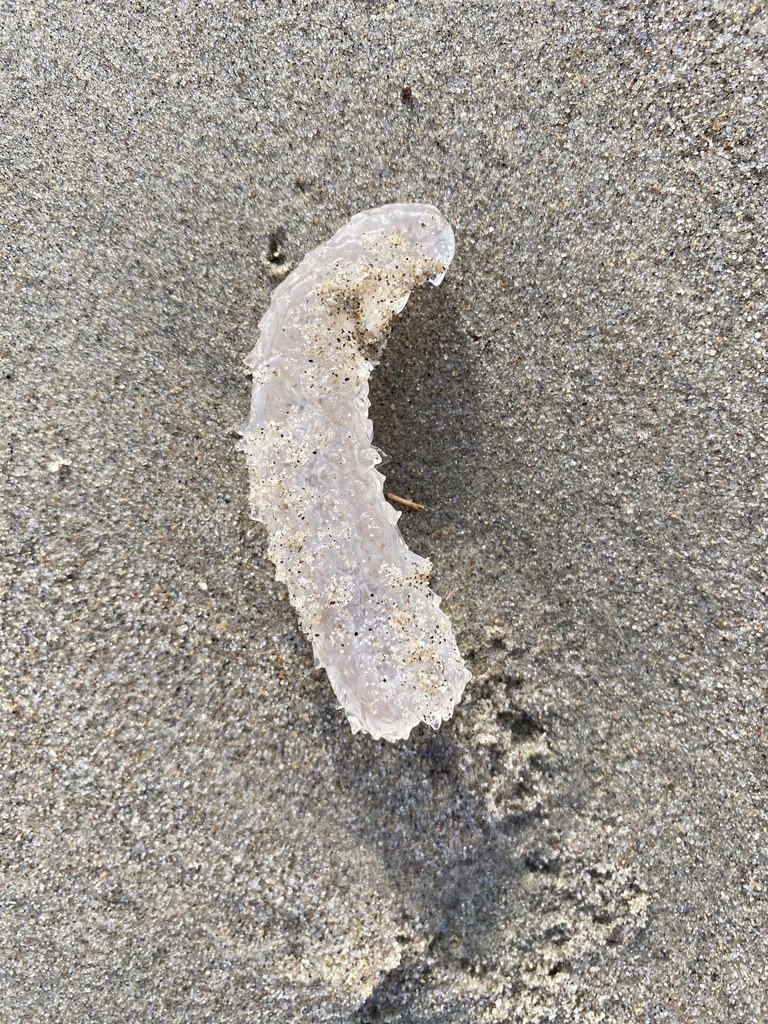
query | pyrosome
[362, 596]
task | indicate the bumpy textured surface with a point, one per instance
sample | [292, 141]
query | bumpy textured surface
[362, 596]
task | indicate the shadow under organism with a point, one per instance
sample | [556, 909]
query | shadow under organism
[424, 804]
[456, 870]
[423, 408]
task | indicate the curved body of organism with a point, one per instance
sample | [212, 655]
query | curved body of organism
[361, 595]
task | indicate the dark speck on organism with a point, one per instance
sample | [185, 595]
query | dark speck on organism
[406, 94]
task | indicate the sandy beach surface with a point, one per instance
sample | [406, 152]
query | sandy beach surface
[188, 830]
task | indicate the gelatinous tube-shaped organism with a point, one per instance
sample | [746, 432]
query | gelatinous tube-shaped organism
[361, 595]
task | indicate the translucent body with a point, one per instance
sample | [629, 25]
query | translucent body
[361, 595]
